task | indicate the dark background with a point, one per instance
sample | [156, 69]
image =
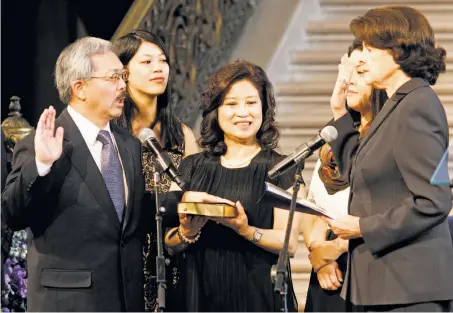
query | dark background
[33, 33]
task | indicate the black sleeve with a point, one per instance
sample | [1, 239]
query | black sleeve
[25, 190]
[345, 145]
[169, 201]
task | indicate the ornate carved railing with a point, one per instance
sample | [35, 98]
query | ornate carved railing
[15, 126]
[14, 245]
[200, 34]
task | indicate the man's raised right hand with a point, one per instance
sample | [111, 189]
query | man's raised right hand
[48, 142]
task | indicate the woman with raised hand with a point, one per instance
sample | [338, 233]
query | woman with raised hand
[328, 253]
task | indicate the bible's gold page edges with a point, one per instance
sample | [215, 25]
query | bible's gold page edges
[207, 209]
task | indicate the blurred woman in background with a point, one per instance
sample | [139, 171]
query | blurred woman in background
[328, 254]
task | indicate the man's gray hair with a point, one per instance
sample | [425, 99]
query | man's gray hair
[74, 63]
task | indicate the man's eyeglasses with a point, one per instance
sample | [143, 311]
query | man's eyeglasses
[115, 77]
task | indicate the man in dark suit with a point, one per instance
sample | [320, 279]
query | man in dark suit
[400, 252]
[77, 184]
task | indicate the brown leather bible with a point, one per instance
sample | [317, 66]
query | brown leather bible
[207, 209]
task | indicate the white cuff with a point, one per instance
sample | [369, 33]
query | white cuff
[43, 169]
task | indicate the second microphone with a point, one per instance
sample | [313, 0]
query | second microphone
[327, 134]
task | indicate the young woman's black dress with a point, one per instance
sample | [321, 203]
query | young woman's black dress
[224, 271]
[321, 300]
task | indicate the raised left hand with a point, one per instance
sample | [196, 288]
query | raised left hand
[338, 98]
[345, 226]
[239, 223]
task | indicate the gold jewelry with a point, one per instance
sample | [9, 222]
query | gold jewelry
[187, 240]
[233, 164]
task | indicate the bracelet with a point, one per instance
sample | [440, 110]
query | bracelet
[184, 239]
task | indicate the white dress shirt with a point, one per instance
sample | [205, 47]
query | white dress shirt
[338, 202]
[89, 133]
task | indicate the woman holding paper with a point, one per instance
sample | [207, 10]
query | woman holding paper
[229, 259]
[399, 243]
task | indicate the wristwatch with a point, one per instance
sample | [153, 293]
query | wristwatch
[257, 235]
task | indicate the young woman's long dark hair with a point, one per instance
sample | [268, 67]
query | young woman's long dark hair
[171, 132]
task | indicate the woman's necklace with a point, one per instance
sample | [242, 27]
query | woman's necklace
[240, 163]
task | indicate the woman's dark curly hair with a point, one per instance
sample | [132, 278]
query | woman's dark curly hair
[212, 136]
[407, 33]
[126, 47]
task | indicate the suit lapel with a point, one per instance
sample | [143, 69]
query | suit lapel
[81, 158]
[128, 166]
[384, 113]
[380, 118]
[391, 105]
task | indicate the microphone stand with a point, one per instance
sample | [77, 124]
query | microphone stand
[279, 272]
[160, 259]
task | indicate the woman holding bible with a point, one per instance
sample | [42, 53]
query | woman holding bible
[229, 259]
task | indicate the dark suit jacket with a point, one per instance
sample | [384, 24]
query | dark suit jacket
[405, 254]
[450, 224]
[80, 258]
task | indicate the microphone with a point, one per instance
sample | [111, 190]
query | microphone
[327, 134]
[148, 138]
